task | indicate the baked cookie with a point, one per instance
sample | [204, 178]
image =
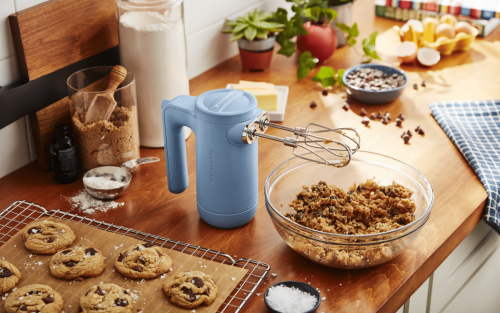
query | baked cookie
[106, 298]
[76, 262]
[9, 276]
[191, 289]
[47, 237]
[34, 298]
[143, 261]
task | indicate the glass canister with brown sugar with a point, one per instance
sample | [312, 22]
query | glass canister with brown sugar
[103, 110]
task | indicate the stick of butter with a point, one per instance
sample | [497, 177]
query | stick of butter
[244, 85]
[267, 99]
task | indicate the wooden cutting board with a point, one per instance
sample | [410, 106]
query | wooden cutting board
[51, 36]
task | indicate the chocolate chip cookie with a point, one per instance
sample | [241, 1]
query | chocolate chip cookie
[47, 237]
[76, 262]
[34, 298]
[191, 289]
[143, 261]
[9, 276]
[106, 298]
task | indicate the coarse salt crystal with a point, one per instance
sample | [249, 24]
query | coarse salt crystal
[290, 299]
[324, 298]
[274, 274]
[233, 279]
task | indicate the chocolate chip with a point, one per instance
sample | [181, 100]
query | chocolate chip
[90, 251]
[159, 254]
[387, 115]
[379, 115]
[121, 302]
[122, 257]
[65, 252]
[365, 121]
[382, 190]
[125, 291]
[331, 209]
[406, 138]
[320, 213]
[70, 263]
[148, 245]
[142, 260]
[417, 128]
[348, 199]
[333, 197]
[138, 248]
[421, 131]
[5, 272]
[49, 299]
[363, 112]
[313, 104]
[197, 282]
[300, 197]
[322, 183]
[87, 293]
[399, 122]
[23, 307]
[206, 292]
[415, 86]
[35, 231]
[50, 239]
[360, 188]
[372, 116]
[385, 121]
[392, 193]
[403, 134]
[345, 107]
[137, 268]
[299, 216]
[409, 133]
[189, 293]
[401, 116]
[401, 221]
[325, 92]
[423, 84]
[100, 291]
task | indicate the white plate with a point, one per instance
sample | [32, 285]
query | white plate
[276, 116]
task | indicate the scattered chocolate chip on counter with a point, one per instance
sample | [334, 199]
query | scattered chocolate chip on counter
[365, 121]
[419, 130]
[363, 112]
[373, 79]
[379, 115]
[406, 139]
[387, 115]
[415, 86]
[325, 92]
[313, 104]
[401, 116]
[399, 122]
[346, 106]
[409, 133]
[403, 134]
[372, 116]
[423, 84]
[385, 121]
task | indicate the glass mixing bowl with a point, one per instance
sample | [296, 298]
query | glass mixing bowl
[338, 250]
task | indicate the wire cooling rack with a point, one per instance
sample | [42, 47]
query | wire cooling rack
[21, 213]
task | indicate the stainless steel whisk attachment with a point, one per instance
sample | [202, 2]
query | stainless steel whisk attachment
[309, 140]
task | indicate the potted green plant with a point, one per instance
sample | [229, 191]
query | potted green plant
[255, 33]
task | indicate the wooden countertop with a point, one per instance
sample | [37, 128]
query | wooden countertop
[459, 196]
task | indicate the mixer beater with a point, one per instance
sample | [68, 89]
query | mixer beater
[308, 140]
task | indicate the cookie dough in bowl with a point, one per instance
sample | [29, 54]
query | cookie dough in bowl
[357, 216]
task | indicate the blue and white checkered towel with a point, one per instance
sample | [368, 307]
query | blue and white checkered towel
[474, 127]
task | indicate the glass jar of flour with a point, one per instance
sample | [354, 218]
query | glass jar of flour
[153, 47]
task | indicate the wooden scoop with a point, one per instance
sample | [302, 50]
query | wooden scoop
[102, 105]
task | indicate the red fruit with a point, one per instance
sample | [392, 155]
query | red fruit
[321, 41]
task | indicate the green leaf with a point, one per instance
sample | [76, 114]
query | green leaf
[261, 34]
[330, 14]
[306, 64]
[325, 76]
[250, 33]
[231, 23]
[351, 42]
[340, 74]
[227, 30]
[236, 36]
[239, 27]
[353, 31]
[369, 43]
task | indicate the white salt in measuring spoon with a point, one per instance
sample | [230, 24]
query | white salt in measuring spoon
[110, 182]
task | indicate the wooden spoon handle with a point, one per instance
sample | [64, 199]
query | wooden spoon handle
[117, 76]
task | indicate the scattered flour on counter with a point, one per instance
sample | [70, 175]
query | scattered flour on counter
[102, 183]
[87, 204]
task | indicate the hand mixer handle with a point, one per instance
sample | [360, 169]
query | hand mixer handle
[177, 113]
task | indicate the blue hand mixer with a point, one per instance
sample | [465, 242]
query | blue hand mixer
[227, 124]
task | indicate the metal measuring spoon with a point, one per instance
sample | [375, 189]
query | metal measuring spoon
[118, 176]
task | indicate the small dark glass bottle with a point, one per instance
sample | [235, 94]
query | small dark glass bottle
[63, 155]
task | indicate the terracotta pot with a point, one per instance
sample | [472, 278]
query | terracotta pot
[321, 40]
[256, 55]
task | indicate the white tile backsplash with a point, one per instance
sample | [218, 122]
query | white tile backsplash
[206, 47]
[6, 45]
